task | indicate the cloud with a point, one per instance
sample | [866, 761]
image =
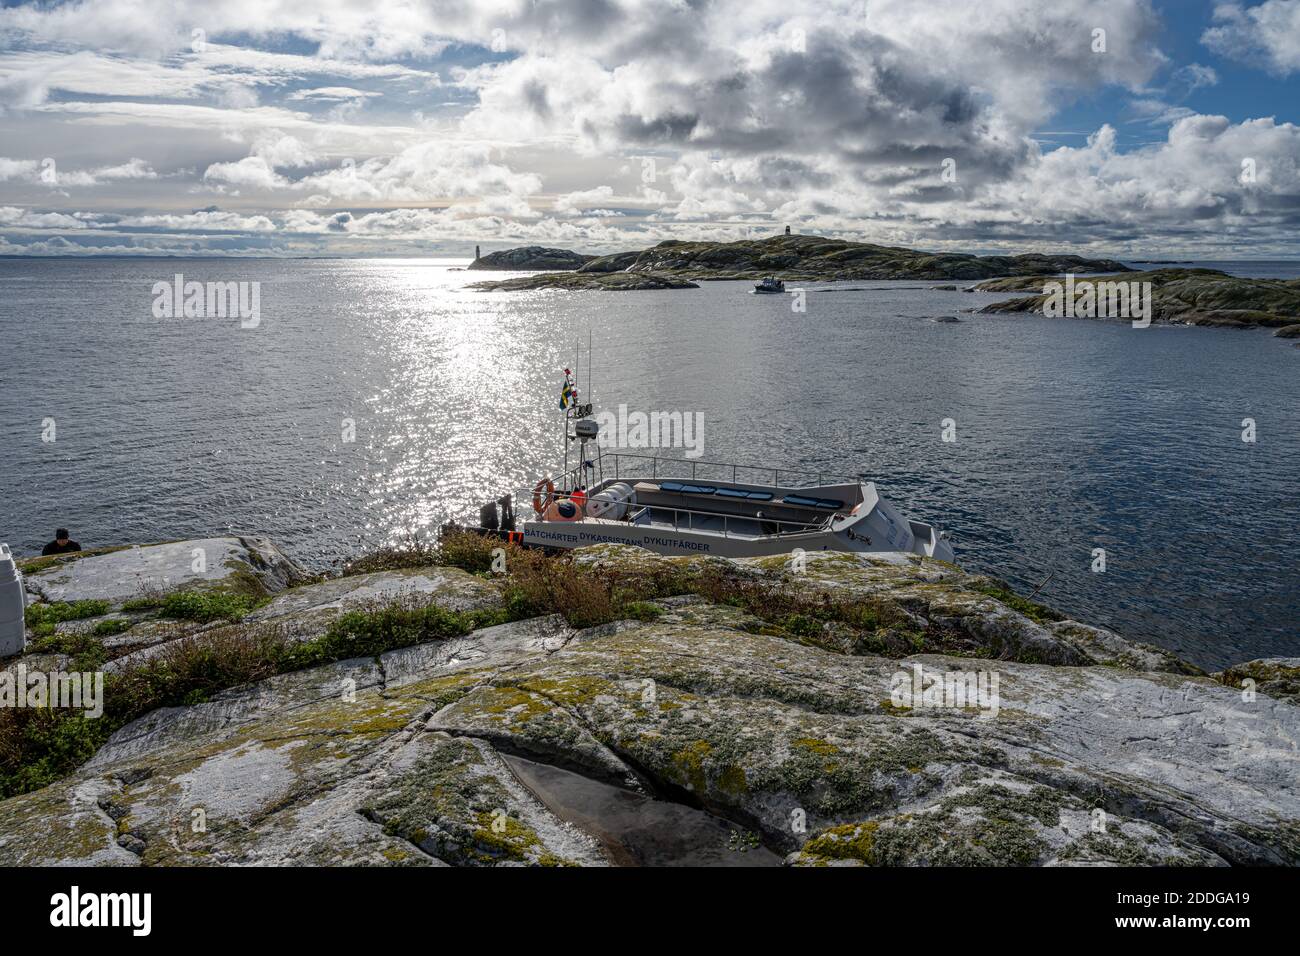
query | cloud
[251, 171]
[573, 204]
[1267, 33]
[332, 94]
[502, 120]
[13, 217]
[203, 221]
[1210, 175]
[47, 172]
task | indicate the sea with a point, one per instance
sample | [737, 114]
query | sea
[1143, 480]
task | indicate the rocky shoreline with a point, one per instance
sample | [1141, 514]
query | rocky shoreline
[421, 710]
[1181, 297]
[795, 258]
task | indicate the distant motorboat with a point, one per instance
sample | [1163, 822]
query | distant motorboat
[769, 286]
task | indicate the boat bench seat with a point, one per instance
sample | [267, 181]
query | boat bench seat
[650, 492]
[688, 488]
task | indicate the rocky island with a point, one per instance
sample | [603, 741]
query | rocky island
[530, 259]
[1183, 297]
[796, 259]
[419, 710]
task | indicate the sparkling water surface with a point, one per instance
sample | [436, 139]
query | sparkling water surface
[1071, 435]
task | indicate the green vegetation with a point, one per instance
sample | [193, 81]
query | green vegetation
[42, 618]
[84, 652]
[147, 602]
[1275, 678]
[1035, 612]
[642, 610]
[411, 553]
[38, 746]
[371, 633]
[207, 606]
[537, 584]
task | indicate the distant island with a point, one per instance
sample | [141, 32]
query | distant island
[1178, 295]
[530, 259]
[1185, 297]
[674, 263]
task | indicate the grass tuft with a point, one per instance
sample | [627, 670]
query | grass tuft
[42, 618]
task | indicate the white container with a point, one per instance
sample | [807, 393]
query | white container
[611, 503]
[13, 636]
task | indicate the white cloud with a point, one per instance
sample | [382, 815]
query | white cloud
[574, 203]
[838, 117]
[251, 171]
[332, 94]
[48, 173]
[1269, 32]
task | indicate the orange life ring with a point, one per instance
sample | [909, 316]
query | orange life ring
[540, 504]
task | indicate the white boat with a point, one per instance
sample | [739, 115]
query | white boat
[769, 286]
[675, 506]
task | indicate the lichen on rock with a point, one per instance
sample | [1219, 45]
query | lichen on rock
[763, 691]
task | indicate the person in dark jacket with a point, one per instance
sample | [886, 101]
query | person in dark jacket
[61, 544]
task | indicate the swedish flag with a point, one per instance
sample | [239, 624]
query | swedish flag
[569, 396]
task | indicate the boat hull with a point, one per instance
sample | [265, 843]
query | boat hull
[581, 534]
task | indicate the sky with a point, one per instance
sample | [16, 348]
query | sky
[1129, 128]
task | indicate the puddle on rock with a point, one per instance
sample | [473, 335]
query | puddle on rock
[637, 830]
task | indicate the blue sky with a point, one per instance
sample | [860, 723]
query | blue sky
[1243, 91]
[390, 127]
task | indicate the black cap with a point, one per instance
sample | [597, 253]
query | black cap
[61, 533]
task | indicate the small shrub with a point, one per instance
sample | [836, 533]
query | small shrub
[146, 602]
[84, 652]
[472, 552]
[42, 618]
[537, 585]
[642, 610]
[111, 626]
[369, 633]
[411, 553]
[190, 669]
[206, 606]
[39, 746]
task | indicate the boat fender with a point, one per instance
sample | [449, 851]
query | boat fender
[541, 504]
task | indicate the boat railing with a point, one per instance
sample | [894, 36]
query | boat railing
[739, 473]
[784, 526]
